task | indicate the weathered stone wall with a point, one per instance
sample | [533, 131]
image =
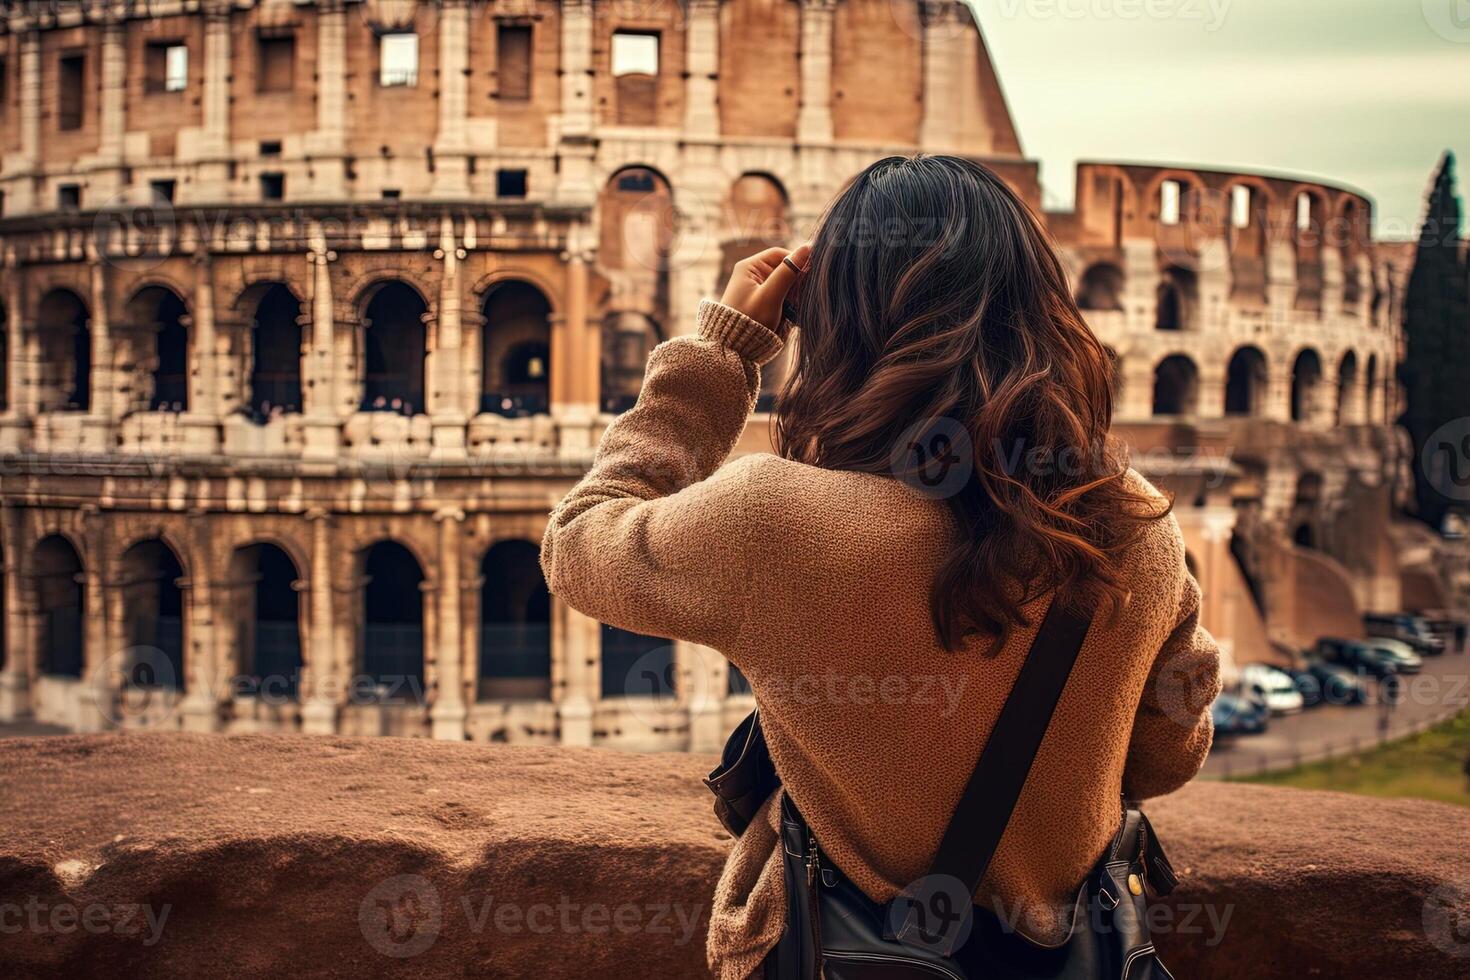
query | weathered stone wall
[182, 856]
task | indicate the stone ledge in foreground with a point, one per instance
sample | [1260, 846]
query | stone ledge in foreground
[173, 855]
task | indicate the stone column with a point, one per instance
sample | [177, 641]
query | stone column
[319, 369]
[703, 682]
[1276, 405]
[447, 713]
[1280, 284]
[201, 421]
[943, 37]
[94, 708]
[203, 674]
[575, 357]
[321, 683]
[105, 409]
[447, 365]
[1137, 403]
[30, 119]
[814, 118]
[1210, 307]
[451, 165]
[702, 65]
[575, 177]
[328, 145]
[114, 93]
[1332, 306]
[14, 422]
[212, 182]
[15, 701]
[576, 660]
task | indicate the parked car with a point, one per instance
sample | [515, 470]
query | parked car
[1274, 687]
[1322, 683]
[1449, 628]
[1356, 655]
[1406, 628]
[1234, 715]
[1407, 660]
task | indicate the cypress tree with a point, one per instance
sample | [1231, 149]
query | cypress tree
[1436, 368]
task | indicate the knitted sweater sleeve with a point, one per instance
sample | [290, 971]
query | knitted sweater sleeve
[1172, 730]
[653, 539]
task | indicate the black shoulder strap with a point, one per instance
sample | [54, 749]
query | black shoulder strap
[990, 796]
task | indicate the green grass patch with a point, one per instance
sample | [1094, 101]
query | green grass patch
[1427, 766]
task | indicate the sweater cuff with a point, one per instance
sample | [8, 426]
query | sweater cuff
[731, 328]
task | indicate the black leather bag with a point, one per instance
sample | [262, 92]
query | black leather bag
[933, 929]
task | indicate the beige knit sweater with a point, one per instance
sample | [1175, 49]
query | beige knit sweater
[815, 583]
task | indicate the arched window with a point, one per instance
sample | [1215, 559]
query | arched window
[1248, 226]
[1245, 382]
[275, 366]
[635, 665]
[516, 351]
[60, 599]
[268, 619]
[515, 624]
[1309, 226]
[1101, 288]
[1370, 390]
[636, 213]
[627, 339]
[65, 371]
[392, 598]
[1304, 535]
[1347, 390]
[161, 321]
[154, 601]
[1306, 382]
[1176, 296]
[394, 350]
[1176, 386]
[1351, 235]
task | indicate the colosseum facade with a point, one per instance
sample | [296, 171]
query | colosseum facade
[314, 309]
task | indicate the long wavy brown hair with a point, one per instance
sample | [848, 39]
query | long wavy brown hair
[938, 342]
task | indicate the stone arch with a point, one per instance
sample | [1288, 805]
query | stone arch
[1370, 390]
[1191, 192]
[1246, 382]
[60, 603]
[515, 623]
[515, 349]
[157, 321]
[1306, 385]
[627, 339]
[394, 343]
[1101, 287]
[755, 217]
[264, 601]
[1248, 230]
[636, 664]
[1111, 188]
[155, 611]
[638, 220]
[1350, 234]
[64, 376]
[1348, 402]
[275, 349]
[390, 607]
[1178, 296]
[1176, 386]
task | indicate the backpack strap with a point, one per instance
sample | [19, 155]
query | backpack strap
[980, 819]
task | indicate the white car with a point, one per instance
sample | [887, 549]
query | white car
[1263, 682]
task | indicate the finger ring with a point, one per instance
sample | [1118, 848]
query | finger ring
[794, 267]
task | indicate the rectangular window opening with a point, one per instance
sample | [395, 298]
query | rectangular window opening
[513, 61]
[1169, 202]
[273, 187]
[275, 63]
[634, 53]
[1240, 206]
[72, 71]
[69, 197]
[161, 191]
[510, 183]
[398, 60]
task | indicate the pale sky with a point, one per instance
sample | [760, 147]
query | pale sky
[1365, 93]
